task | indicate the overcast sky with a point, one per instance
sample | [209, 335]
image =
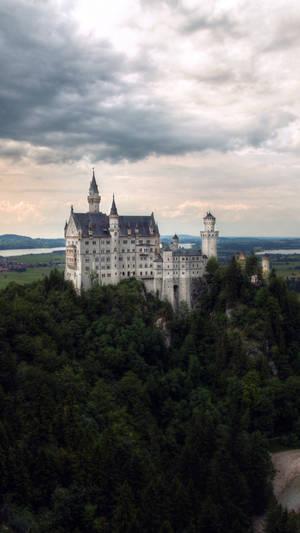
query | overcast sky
[179, 108]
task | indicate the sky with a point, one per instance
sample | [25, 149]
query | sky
[181, 107]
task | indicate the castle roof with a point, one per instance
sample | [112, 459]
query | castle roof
[184, 252]
[113, 209]
[209, 215]
[98, 223]
[93, 185]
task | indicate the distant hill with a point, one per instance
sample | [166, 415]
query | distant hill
[13, 242]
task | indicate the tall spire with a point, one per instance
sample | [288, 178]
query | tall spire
[93, 185]
[94, 196]
[113, 209]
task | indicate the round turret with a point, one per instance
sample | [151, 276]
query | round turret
[265, 263]
[175, 241]
[209, 236]
[209, 222]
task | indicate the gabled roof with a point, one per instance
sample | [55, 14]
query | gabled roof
[98, 223]
[184, 252]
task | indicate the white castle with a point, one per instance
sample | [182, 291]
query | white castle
[106, 249]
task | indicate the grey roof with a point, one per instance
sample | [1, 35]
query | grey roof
[99, 224]
[183, 252]
[209, 215]
[140, 222]
[93, 185]
[113, 209]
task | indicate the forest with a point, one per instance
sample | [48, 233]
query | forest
[121, 416]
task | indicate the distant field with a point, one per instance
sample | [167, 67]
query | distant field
[287, 266]
[27, 259]
[32, 274]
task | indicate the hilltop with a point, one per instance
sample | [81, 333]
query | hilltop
[10, 241]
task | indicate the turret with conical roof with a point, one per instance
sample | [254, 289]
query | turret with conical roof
[209, 236]
[114, 230]
[113, 209]
[94, 196]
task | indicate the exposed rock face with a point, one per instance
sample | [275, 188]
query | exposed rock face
[287, 466]
[162, 325]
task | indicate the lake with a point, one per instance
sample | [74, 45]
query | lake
[283, 252]
[28, 251]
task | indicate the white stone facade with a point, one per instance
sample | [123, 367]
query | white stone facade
[105, 249]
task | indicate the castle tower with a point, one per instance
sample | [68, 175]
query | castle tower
[175, 241]
[209, 236]
[265, 263]
[114, 230]
[94, 196]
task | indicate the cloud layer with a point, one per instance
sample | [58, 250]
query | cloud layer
[144, 82]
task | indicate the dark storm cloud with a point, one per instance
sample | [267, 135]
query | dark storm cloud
[74, 97]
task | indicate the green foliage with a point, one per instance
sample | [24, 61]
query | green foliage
[106, 427]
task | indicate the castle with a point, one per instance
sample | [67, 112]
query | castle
[105, 249]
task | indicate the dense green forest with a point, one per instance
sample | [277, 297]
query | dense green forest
[119, 415]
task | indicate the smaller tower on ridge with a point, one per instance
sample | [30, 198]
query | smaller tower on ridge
[93, 196]
[209, 236]
[265, 263]
[175, 241]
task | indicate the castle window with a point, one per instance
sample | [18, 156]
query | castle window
[128, 274]
[108, 275]
[141, 273]
[94, 242]
[94, 251]
[87, 259]
[102, 259]
[108, 242]
[97, 258]
[103, 275]
[97, 267]
[86, 242]
[125, 242]
[87, 268]
[86, 251]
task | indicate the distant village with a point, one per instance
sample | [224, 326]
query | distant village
[9, 265]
